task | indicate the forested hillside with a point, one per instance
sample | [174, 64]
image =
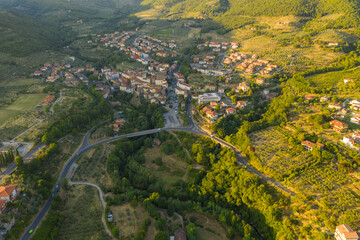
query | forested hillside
[21, 35]
[225, 10]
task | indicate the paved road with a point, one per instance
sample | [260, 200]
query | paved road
[85, 146]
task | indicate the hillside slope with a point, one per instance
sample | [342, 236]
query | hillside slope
[219, 9]
[21, 35]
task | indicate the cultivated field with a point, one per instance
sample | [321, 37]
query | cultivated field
[83, 212]
[129, 220]
[92, 166]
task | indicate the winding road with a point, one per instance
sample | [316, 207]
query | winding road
[85, 146]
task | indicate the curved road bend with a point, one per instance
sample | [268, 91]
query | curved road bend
[85, 146]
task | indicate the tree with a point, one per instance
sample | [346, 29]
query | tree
[65, 183]
[191, 232]
[161, 236]
[19, 161]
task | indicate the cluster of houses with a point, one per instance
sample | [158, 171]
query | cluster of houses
[119, 123]
[152, 45]
[217, 47]
[182, 88]
[142, 48]
[207, 60]
[72, 75]
[216, 109]
[149, 84]
[116, 39]
[7, 194]
[250, 64]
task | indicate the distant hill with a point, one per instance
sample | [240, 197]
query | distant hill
[21, 34]
[64, 10]
[28, 26]
[229, 10]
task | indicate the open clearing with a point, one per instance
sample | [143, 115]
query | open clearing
[208, 227]
[173, 168]
[130, 219]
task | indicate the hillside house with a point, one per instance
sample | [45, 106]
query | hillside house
[355, 105]
[348, 80]
[338, 126]
[337, 106]
[355, 119]
[241, 104]
[48, 99]
[180, 91]
[309, 146]
[230, 111]
[345, 232]
[352, 139]
[244, 87]
[213, 104]
[8, 193]
[324, 99]
[211, 114]
[183, 86]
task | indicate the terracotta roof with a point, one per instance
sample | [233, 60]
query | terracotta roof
[352, 235]
[338, 124]
[348, 232]
[6, 191]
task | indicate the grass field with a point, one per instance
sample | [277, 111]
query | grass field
[23, 104]
[173, 168]
[163, 32]
[82, 211]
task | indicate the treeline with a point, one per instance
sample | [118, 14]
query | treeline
[7, 157]
[232, 195]
[77, 121]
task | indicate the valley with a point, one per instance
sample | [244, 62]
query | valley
[179, 119]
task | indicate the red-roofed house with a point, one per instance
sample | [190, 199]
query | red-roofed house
[8, 193]
[338, 126]
[211, 114]
[310, 145]
[230, 111]
[48, 99]
[213, 104]
[345, 232]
